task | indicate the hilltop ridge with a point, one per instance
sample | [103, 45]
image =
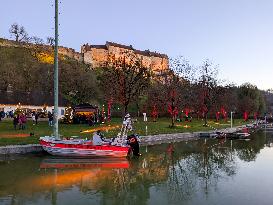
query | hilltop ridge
[100, 55]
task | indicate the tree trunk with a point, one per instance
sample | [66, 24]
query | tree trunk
[125, 108]
[138, 109]
[173, 116]
[173, 120]
[16, 37]
[206, 119]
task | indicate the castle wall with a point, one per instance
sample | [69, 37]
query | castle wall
[159, 64]
[99, 57]
[71, 53]
[146, 60]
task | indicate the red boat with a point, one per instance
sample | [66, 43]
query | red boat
[82, 148]
[120, 146]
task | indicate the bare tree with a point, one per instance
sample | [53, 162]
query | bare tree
[19, 33]
[125, 79]
[182, 68]
[50, 41]
[208, 87]
[36, 40]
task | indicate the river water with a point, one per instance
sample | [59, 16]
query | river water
[194, 172]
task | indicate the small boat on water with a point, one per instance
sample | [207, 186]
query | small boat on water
[81, 148]
[120, 146]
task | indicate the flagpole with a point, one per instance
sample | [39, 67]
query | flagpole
[56, 80]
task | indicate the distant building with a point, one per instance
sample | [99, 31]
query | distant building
[101, 55]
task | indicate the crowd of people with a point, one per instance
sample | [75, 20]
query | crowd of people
[8, 114]
[20, 118]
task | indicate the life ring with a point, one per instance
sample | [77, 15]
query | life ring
[132, 140]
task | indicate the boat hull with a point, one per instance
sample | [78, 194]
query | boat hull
[84, 150]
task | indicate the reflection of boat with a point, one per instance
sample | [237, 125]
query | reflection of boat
[121, 146]
[69, 163]
[217, 135]
[238, 135]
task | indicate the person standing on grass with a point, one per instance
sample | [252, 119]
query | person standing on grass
[15, 121]
[11, 114]
[36, 118]
[50, 119]
[33, 118]
[24, 121]
[20, 121]
[2, 115]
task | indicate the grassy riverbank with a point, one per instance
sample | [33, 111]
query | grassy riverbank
[9, 136]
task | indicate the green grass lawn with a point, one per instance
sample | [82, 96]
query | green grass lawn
[9, 136]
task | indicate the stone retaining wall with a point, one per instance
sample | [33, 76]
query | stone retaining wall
[20, 149]
[167, 138]
[145, 140]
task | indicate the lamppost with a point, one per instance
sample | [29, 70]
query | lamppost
[56, 77]
[265, 120]
[231, 118]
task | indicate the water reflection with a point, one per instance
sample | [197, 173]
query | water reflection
[167, 173]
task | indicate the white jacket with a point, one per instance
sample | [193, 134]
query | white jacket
[97, 139]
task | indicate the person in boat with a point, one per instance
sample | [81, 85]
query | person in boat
[99, 139]
[133, 141]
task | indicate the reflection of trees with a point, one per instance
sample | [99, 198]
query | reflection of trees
[269, 138]
[216, 164]
[247, 154]
[181, 181]
[248, 150]
[199, 170]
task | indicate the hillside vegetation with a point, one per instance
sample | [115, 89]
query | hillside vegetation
[27, 75]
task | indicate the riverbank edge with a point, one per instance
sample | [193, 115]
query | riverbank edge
[145, 140]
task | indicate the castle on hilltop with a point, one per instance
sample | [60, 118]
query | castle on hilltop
[100, 55]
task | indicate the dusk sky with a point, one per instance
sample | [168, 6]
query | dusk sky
[236, 34]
